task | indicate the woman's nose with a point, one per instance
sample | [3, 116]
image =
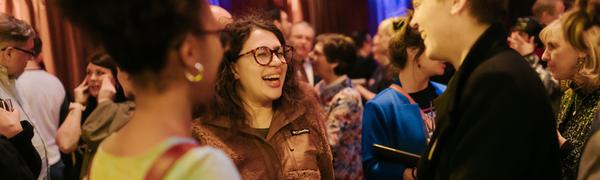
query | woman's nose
[546, 55]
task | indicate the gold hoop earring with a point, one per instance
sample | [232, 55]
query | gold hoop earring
[195, 78]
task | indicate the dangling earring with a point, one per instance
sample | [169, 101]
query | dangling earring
[580, 61]
[197, 77]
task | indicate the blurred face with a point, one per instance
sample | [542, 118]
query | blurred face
[431, 18]
[380, 43]
[15, 58]
[261, 83]
[285, 23]
[560, 55]
[301, 38]
[319, 61]
[94, 75]
[211, 53]
[431, 67]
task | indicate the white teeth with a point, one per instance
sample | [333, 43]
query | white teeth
[275, 76]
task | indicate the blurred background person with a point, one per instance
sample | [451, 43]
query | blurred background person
[221, 15]
[280, 19]
[383, 76]
[301, 38]
[332, 57]
[101, 70]
[45, 95]
[524, 39]
[364, 66]
[546, 11]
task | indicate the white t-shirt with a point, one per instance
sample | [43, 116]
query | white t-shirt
[44, 94]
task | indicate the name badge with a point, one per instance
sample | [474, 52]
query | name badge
[301, 131]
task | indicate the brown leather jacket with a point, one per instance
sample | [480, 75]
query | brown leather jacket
[295, 147]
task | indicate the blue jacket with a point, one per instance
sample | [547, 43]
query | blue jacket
[390, 120]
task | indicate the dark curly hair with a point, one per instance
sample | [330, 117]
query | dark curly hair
[228, 102]
[339, 49]
[136, 33]
[403, 38]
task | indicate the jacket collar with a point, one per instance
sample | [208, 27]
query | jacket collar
[327, 92]
[280, 120]
[492, 41]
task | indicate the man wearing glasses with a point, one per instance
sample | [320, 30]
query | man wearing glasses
[16, 42]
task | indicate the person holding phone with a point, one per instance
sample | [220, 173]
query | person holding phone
[99, 86]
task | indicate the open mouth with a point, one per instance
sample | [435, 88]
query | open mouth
[274, 77]
[273, 80]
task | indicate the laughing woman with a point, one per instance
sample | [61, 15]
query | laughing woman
[261, 116]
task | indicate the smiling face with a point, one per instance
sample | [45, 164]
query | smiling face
[260, 83]
[94, 74]
[431, 67]
[431, 18]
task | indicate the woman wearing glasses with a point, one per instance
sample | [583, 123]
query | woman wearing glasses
[332, 57]
[261, 117]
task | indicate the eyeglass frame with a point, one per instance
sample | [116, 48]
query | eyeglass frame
[284, 60]
[28, 52]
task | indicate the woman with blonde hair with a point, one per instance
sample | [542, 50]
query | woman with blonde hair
[383, 76]
[573, 54]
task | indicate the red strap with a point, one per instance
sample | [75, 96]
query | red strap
[426, 119]
[163, 164]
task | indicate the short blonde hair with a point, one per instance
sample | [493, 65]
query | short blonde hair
[581, 29]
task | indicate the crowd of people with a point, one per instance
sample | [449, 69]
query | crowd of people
[185, 90]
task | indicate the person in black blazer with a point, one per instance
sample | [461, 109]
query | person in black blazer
[495, 120]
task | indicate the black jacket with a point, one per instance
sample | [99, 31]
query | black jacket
[494, 120]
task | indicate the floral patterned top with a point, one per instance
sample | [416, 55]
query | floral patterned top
[343, 110]
[577, 111]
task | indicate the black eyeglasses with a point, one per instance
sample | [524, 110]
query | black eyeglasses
[20, 49]
[264, 55]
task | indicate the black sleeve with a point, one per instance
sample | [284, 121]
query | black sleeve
[64, 111]
[12, 166]
[24, 147]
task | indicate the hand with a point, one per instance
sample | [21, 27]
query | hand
[107, 89]
[408, 173]
[561, 139]
[10, 122]
[81, 93]
[521, 44]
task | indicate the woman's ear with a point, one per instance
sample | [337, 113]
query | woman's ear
[234, 70]
[458, 6]
[411, 53]
[189, 54]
